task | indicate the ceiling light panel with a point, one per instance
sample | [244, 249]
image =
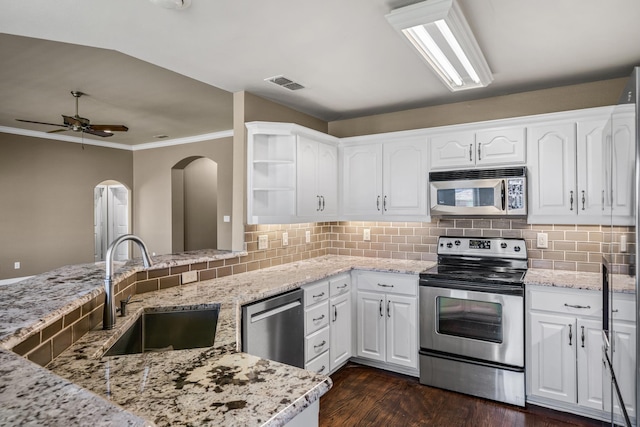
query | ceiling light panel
[438, 30]
[285, 83]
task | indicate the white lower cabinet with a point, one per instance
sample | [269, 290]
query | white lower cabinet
[328, 332]
[387, 318]
[564, 350]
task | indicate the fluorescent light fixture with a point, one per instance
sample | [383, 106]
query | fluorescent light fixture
[438, 30]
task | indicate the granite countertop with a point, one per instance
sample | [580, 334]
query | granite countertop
[217, 385]
[578, 280]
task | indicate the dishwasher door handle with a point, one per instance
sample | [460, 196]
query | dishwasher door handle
[260, 316]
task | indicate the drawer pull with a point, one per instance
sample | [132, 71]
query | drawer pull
[384, 285]
[320, 345]
[342, 287]
[321, 370]
[576, 306]
[318, 318]
[320, 295]
[615, 310]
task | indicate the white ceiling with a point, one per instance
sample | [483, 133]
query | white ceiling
[346, 54]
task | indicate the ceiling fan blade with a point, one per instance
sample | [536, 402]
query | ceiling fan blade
[112, 128]
[40, 123]
[59, 130]
[97, 132]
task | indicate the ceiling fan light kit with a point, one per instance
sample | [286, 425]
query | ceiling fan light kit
[438, 30]
[172, 4]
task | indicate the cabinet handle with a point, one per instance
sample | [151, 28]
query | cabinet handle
[321, 370]
[583, 199]
[582, 337]
[388, 312]
[322, 203]
[384, 203]
[380, 308]
[342, 286]
[318, 318]
[320, 345]
[384, 285]
[378, 203]
[570, 333]
[602, 199]
[576, 306]
[471, 152]
[335, 313]
[615, 310]
[321, 294]
[571, 200]
[479, 151]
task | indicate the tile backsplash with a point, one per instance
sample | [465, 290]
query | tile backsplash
[570, 247]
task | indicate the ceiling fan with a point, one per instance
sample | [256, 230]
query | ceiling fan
[81, 124]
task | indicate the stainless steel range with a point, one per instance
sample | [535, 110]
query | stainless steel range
[472, 318]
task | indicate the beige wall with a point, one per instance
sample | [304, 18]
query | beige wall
[552, 100]
[152, 190]
[46, 200]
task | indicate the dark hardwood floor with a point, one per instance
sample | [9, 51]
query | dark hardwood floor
[363, 396]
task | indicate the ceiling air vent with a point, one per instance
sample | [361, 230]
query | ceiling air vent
[285, 82]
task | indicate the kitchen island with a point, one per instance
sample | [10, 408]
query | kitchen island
[217, 385]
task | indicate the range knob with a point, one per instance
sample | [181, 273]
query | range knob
[449, 245]
[516, 248]
[457, 242]
[503, 245]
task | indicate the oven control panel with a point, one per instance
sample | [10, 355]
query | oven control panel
[483, 246]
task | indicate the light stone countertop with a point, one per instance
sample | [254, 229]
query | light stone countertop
[578, 280]
[218, 385]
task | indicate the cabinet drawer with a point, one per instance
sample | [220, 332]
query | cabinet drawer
[316, 317]
[577, 302]
[405, 284]
[320, 364]
[624, 310]
[315, 292]
[316, 344]
[340, 285]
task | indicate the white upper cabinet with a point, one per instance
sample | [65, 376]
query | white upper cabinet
[619, 192]
[568, 165]
[483, 148]
[317, 178]
[384, 178]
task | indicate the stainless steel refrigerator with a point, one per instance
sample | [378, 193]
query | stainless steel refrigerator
[620, 197]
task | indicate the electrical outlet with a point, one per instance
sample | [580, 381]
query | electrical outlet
[16, 265]
[285, 239]
[366, 235]
[623, 243]
[263, 242]
[542, 240]
[189, 276]
[307, 236]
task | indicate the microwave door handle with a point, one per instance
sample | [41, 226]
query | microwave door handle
[502, 195]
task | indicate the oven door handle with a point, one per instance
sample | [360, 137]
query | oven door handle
[503, 195]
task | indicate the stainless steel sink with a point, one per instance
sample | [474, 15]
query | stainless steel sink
[179, 329]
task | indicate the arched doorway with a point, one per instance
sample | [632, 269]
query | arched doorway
[194, 204]
[111, 218]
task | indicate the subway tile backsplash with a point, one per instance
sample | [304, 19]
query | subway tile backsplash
[570, 247]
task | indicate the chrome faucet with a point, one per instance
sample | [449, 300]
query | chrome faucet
[109, 317]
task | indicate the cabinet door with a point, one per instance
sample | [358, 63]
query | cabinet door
[552, 367]
[340, 313]
[504, 146]
[590, 367]
[402, 341]
[328, 179]
[590, 171]
[623, 168]
[308, 198]
[404, 178]
[452, 150]
[624, 364]
[552, 152]
[371, 325]
[362, 180]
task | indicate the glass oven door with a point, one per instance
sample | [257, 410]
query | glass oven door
[479, 325]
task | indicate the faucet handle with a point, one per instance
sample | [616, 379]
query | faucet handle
[123, 305]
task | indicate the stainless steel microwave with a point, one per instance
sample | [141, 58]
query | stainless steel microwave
[479, 192]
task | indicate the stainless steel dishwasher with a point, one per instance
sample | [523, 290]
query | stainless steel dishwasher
[274, 328]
